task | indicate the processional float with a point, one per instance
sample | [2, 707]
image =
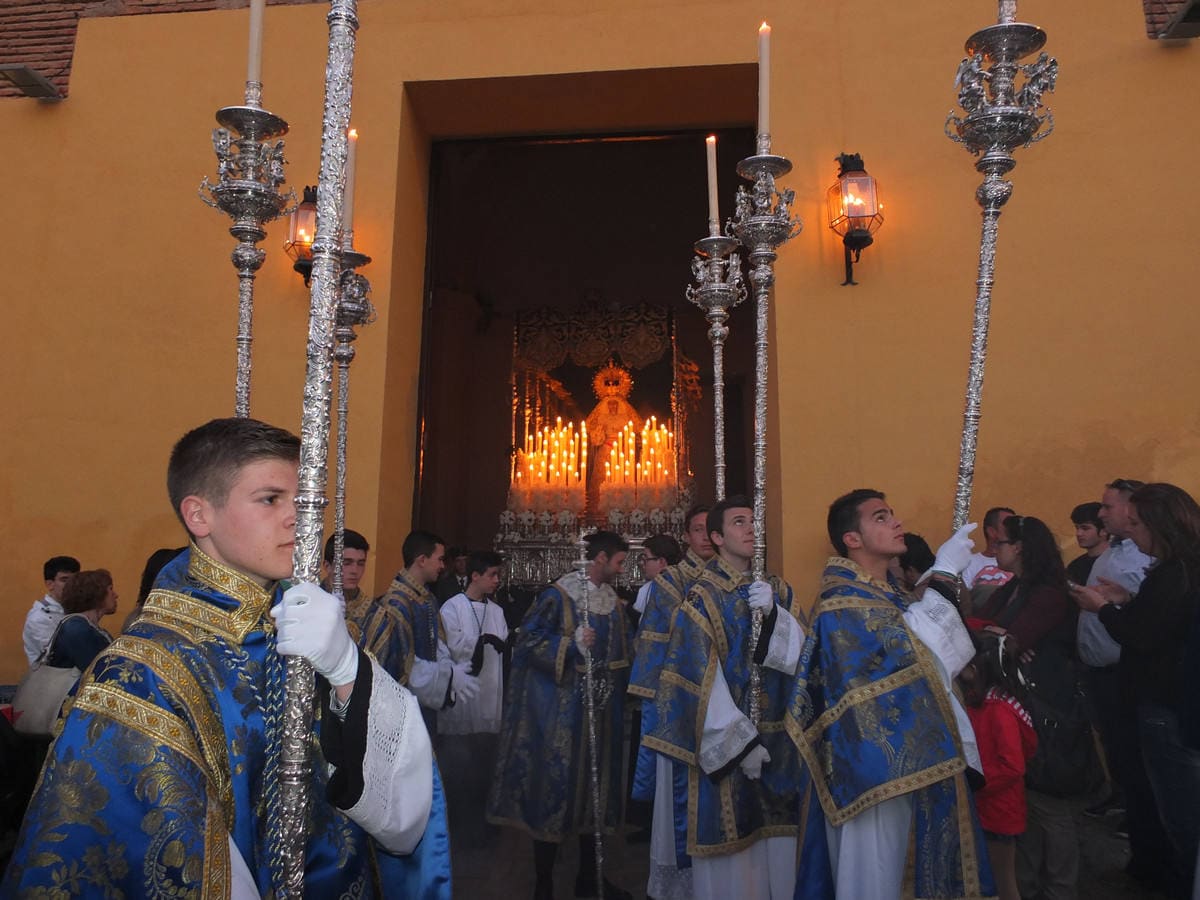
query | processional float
[997, 118]
[762, 223]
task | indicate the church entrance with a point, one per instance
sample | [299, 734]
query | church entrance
[566, 380]
[564, 376]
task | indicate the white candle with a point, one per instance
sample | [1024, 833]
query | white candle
[351, 164]
[254, 63]
[714, 218]
[764, 79]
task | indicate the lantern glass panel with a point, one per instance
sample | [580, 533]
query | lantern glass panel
[302, 226]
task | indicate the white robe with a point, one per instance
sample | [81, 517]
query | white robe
[397, 768]
[461, 618]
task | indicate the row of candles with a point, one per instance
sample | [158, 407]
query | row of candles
[557, 456]
[641, 459]
[554, 456]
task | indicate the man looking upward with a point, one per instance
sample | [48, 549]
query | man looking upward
[872, 714]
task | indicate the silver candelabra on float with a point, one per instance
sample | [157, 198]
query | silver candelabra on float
[353, 309]
[718, 288]
[998, 116]
[249, 176]
[295, 765]
[763, 223]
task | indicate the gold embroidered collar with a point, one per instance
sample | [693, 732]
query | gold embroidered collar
[862, 575]
[248, 606]
[724, 575]
[404, 585]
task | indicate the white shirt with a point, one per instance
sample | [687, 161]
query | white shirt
[40, 622]
[462, 619]
[643, 597]
[983, 570]
[1125, 564]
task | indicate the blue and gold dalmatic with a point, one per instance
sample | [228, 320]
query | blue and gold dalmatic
[542, 783]
[711, 631]
[401, 626]
[873, 721]
[667, 593]
[170, 747]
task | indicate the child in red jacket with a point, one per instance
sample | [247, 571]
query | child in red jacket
[991, 685]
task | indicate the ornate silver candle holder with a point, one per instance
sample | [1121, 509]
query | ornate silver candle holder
[718, 288]
[998, 117]
[249, 176]
[763, 222]
[353, 309]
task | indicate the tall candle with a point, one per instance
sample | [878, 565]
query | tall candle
[254, 63]
[351, 165]
[764, 79]
[714, 217]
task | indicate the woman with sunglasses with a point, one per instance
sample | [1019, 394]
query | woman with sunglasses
[1035, 608]
[1156, 633]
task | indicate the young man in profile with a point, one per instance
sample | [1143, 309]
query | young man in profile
[45, 614]
[165, 779]
[403, 631]
[872, 714]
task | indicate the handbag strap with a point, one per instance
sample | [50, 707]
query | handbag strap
[45, 654]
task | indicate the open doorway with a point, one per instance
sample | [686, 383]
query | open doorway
[588, 227]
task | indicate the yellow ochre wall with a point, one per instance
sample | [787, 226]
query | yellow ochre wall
[120, 300]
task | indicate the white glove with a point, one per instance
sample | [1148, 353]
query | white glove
[464, 684]
[762, 598]
[952, 557]
[311, 624]
[753, 762]
[584, 638]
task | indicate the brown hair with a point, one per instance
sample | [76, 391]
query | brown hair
[86, 591]
[207, 460]
[1172, 517]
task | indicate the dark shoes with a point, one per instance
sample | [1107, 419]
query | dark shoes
[586, 887]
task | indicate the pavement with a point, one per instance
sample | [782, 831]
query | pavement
[498, 865]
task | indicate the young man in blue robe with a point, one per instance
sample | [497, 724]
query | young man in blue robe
[885, 743]
[742, 802]
[402, 629]
[543, 780]
[657, 778]
[165, 781]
